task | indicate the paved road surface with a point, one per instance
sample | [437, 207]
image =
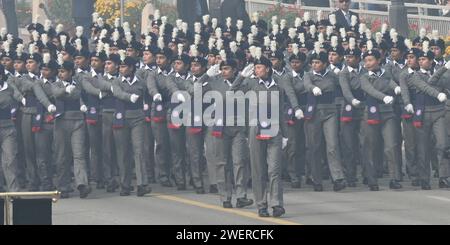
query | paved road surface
[353, 206]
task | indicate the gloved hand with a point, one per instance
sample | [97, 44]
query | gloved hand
[70, 89]
[356, 102]
[83, 108]
[442, 97]
[397, 90]
[248, 71]
[146, 107]
[317, 91]
[299, 114]
[157, 97]
[51, 108]
[180, 97]
[112, 89]
[388, 100]
[24, 102]
[284, 143]
[447, 65]
[100, 95]
[213, 71]
[134, 98]
[409, 108]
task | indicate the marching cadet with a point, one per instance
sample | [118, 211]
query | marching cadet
[160, 87]
[282, 75]
[177, 132]
[128, 123]
[148, 66]
[70, 131]
[437, 46]
[229, 142]
[20, 70]
[29, 116]
[321, 118]
[8, 136]
[296, 147]
[196, 132]
[408, 97]
[381, 119]
[429, 118]
[81, 57]
[352, 112]
[265, 145]
[42, 122]
[92, 95]
[396, 66]
[108, 103]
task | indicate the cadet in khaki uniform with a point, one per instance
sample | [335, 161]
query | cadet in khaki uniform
[381, 130]
[92, 95]
[229, 141]
[265, 145]
[296, 147]
[70, 131]
[321, 118]
[160, 88]
[352, 112]
[43, 133]
[8, 135]
[431, 119]
[177, 132]
[130, 92]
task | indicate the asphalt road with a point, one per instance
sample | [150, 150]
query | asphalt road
[353, 206]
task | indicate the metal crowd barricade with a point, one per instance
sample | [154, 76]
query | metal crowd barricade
[28, 208]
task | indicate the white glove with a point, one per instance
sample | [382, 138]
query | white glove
[83, 108]
[447, 65]
[134, 98]
[409, 108]
[70, 89]
[146, 107]
[112, 89]
[397, 90]
[388, 100]
[356, 102]
[181, 98]
[442, 97]
[299, 114]
[213, 71]
[157, 97]
[248, 71]
[100, 95]
[51, 108]
[317, 91]
[284, 143]
[24, 102]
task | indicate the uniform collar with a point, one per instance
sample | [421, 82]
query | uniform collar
[4, 87]
[79, 70]
[399, 65]
[184, 77]
[279, 73]
[109, 76]
[17, 74]
[411, 71]
[67, 83]
[428, 72]
[267, 84]
[165, 73]
[300, 75]
[320, 74]
[357, 70]
[371, 73]
[94, 73]
[129, 81]
[32, 75]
